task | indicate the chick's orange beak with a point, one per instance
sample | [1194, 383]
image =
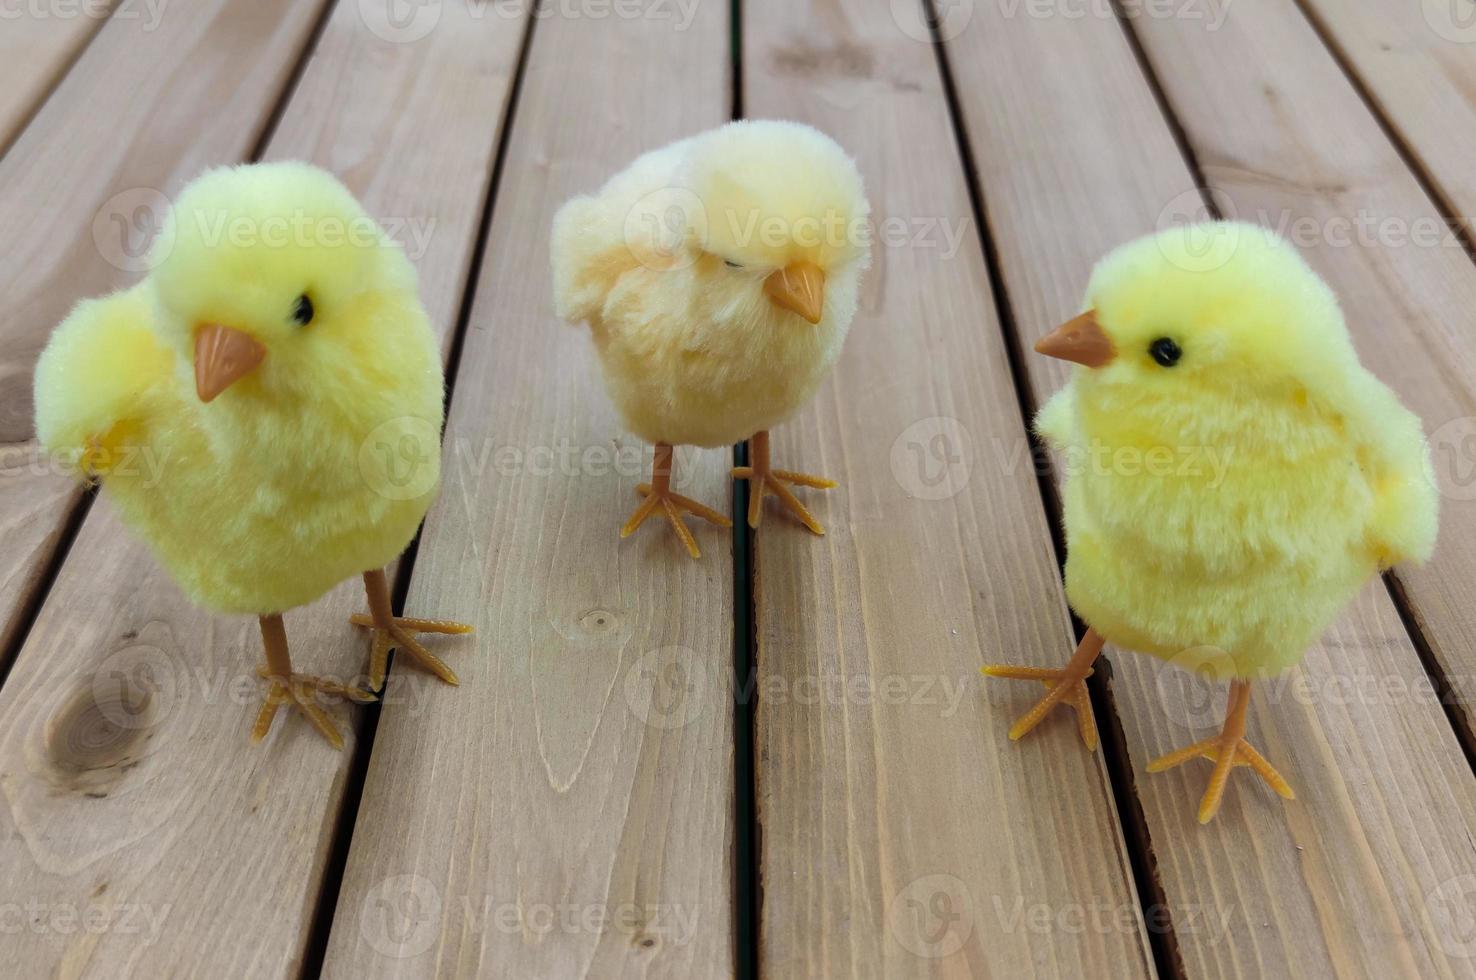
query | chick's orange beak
[223, 356]
[799, 288]
[1080, 339]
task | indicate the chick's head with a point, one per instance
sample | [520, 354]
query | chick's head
[782, 220]
[1220, 310]
[274, 285]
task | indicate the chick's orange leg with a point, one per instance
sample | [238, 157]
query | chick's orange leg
[658, 494]
[391, 632]
[762, 480]
[1064, 685]
[299, 690]
[1226, 750]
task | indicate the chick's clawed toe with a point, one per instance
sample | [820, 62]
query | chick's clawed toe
[674, 504]
[1227, 750]
[304, 693]
[764, 480]
[658, 494]
[399, 636]
[1226, 754]
[1064, 685]
[391, 632]
[1061, 688]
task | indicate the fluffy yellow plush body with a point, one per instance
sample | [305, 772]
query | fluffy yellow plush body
[667, 263]
[1220, 511]
[316, 466]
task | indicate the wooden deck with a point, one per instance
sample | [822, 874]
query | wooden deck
[780, 759]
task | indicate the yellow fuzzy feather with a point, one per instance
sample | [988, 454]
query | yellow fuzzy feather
[316, 466]
[667, 263]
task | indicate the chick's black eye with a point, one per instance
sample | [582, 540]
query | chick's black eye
[302, 311]
[1165, 351]
[731, 264]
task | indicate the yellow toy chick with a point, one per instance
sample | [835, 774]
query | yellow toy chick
[1233, 475]
[719, 276]
[280, 369]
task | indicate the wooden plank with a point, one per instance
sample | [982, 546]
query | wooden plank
[1417, 61]
[37, 46]
[1356, 875]
[193, 92]
[902, 835]
[568, 811]
[124, 761]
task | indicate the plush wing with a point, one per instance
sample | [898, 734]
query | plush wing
[639, 219]
[94, 379]
[1395, 459]
[1056, 422]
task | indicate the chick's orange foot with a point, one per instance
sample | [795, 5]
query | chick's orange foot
[1064, 685]
[303, 692]
[1226, 750]
[764, 480]
[399, 636]
[390, 633]
[658, 494]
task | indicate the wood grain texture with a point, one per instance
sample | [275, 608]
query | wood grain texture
[1417, 61]
[129, 782]
[181, 91]
[37, 45]
[902, 835]
[1365, 873]
[566, 812]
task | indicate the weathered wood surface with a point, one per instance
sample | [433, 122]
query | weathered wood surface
[568, 811]
[129, 783]
[1416, 62]
[35, 53]
[878, 854]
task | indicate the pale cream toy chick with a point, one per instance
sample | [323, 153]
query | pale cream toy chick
[279, 366]
[719, 276]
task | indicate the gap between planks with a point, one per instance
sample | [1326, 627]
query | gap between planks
[316, 946]
[1162, 942]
